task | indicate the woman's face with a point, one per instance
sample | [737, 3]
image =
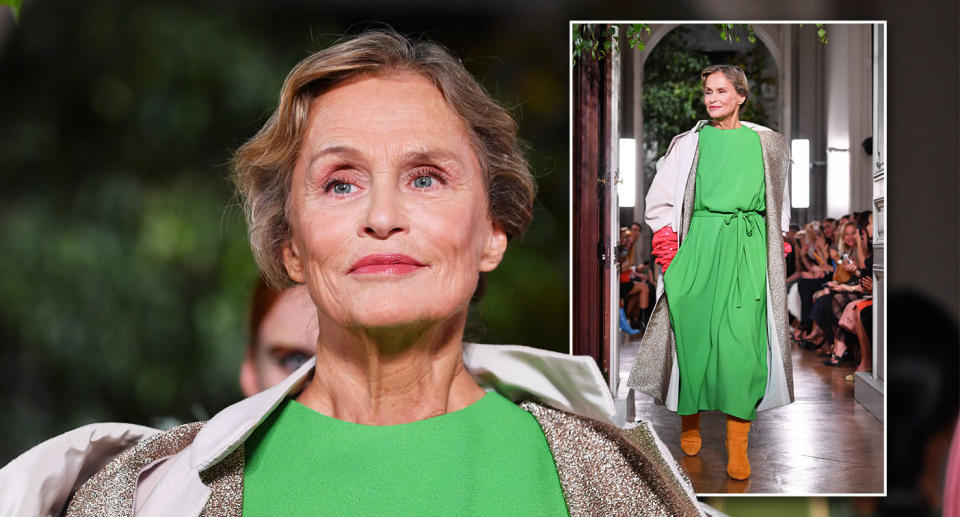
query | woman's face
[870, 225]
[850, 236]
[389, 216]
[720, 97]
[286, 338]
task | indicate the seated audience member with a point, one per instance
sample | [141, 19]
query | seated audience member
[790, 238]
[829, 229]
[634, 289]
[864, 222]
[843, 288]
[818, 270]
[848, 299]
[799, 243]
[855, 329]
[844, 219]
[283, 336]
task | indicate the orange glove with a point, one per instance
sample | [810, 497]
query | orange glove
[665, 244]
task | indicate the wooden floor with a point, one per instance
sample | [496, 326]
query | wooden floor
[824, 443]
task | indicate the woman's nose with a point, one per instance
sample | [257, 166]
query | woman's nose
[385, 215]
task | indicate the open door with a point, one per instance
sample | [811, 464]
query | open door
[595, 218]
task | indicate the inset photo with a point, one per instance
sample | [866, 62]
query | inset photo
[728, 191]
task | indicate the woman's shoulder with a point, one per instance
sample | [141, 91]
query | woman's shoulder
[639, 476]
[41, 480]
[765, 132]
[691, 134]
[123, 486]
[111, 489]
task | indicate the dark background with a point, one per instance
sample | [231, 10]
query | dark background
[125, 265]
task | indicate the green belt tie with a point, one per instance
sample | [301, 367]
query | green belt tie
[744, 230]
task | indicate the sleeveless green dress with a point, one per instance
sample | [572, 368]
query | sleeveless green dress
[716, 284]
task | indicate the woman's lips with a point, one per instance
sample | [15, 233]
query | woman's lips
[385, 264]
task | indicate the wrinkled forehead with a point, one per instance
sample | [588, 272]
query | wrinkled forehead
[717, 80]
[400, 109]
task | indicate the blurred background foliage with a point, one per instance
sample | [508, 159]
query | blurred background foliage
[126, 267]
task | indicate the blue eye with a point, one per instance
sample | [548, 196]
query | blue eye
[342, 188]
[293, 361]
[423, 182]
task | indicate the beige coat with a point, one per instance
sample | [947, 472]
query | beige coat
[670, 202]
[197, 469]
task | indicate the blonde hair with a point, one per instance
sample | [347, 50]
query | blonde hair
[262, 167]
[841, 245]
[736, 77]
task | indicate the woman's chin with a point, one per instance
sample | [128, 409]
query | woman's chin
[402, 313]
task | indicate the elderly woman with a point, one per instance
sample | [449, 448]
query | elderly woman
[387, 182]
[720, 197]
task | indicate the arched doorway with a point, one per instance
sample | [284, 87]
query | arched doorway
[763, 60]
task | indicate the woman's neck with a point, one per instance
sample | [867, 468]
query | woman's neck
[731, 122]
[391, 376]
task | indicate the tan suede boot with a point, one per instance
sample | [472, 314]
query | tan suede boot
[738, 466]
[690, 434]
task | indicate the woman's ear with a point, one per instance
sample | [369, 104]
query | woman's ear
[292, 262]
[494, 249]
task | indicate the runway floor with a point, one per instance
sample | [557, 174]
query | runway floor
[824, 443]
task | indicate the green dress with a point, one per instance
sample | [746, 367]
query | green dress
[716, 284]
[490, 458]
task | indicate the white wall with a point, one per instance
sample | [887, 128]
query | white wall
[849, 95]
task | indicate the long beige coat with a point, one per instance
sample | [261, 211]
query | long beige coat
[670, 202]
[197, 469]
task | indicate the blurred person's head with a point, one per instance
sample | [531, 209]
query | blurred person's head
[819, 238]
[864, 221]
[843, 220]
[635, 229]
[801, 239]
[830, 228]
[848, 238]
[283, 336]
[923, 395]
[792, 232]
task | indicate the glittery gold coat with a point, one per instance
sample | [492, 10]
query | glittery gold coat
[670, 201]
[197, 469]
